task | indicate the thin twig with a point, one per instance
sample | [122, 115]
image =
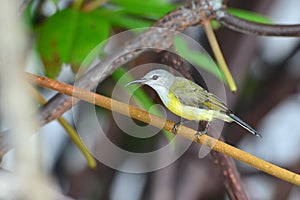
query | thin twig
[253, 28]
[156, 121]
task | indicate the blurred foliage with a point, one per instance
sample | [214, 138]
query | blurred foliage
[244, 14]
[197, 58]
[70, 34]
[251, 16]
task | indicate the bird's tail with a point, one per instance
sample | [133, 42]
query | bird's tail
[244, 125]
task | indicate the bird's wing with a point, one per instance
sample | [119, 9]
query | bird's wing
[191, 94]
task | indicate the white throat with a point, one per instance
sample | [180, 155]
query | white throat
[163, 93]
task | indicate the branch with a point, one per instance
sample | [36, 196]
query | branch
[231, 177]
[253, 28]
[156, 121]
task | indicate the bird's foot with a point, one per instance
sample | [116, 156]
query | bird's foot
[175, 127]
[199, 133]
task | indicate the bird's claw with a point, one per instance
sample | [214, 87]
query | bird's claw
[175, 127]
[199, 133]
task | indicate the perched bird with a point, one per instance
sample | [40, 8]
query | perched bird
[189, 100]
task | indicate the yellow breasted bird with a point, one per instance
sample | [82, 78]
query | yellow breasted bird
[189, 100]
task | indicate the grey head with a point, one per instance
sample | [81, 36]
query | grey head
[156, 78]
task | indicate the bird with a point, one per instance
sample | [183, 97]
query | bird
[189, 100]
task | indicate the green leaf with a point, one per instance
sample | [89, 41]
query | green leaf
[121, 19]
[129, 22]
[55, 1]
[68, 37]
[248, 15]
[145, 8]
[215, 24]
[197, 58]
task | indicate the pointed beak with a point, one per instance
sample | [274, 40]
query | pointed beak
[136, 81]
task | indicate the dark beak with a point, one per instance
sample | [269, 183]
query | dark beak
[136, 81]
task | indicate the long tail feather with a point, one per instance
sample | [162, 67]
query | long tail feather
[244, 125]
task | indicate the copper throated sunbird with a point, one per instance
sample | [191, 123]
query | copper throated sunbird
[189, 100]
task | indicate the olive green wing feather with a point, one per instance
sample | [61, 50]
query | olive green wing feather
[189, 93]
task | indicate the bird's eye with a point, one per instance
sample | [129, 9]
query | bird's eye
[154, 77]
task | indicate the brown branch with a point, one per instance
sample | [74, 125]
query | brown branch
[156, 121]
[234, 185]
[253, 28]
[231, 177]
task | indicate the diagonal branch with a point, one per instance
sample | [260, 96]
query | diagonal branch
[156, 121]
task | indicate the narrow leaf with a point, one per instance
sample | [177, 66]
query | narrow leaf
[199, 59]
[251, 16]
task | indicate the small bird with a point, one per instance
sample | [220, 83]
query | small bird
[189, 100]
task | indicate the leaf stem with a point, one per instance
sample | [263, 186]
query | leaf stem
[218, 55]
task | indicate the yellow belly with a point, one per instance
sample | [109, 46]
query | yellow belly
[189, 112]
[193, 113]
